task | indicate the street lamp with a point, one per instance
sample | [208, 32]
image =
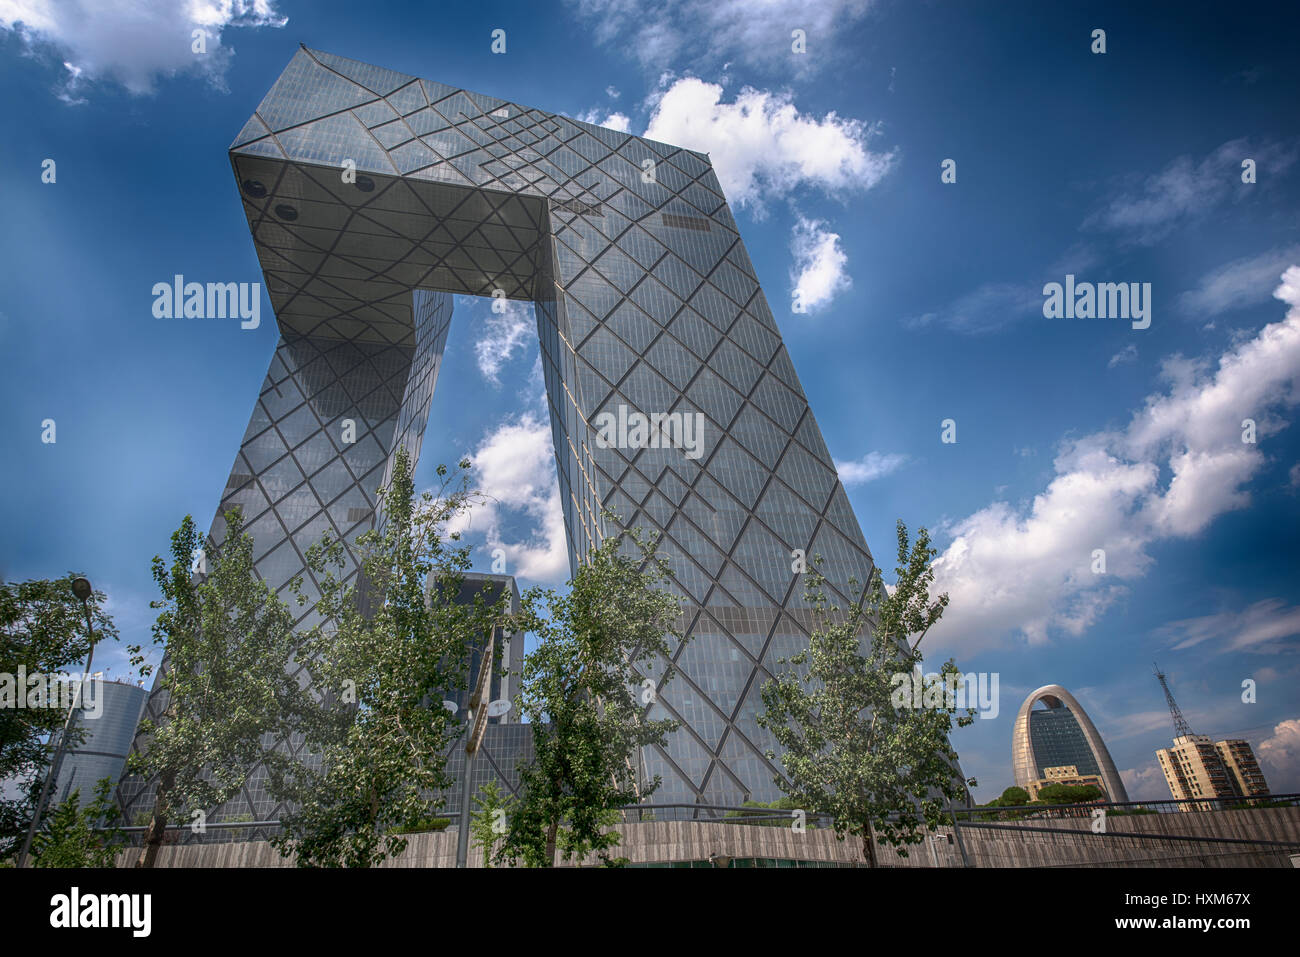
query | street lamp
[82, 590]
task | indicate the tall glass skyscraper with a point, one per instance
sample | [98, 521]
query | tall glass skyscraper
[646, 302]
[102, 751]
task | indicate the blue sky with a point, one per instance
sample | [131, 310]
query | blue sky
[923, 303]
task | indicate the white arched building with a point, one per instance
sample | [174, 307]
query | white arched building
[1060, 734]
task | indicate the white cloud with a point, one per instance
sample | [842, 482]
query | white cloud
[1078, 258]
[870, 467]
[757, 32]
[1030, 570]
[1145, 783]
[1258, 628]
[1128, 354]
[614, 121]
[818, 274]
[501, 334]
[1121, 727]
[514, 467]
[1279, 757]
[133, 42]
[985, 309]
[762, 147]
[1245, 282]
[1186, 189]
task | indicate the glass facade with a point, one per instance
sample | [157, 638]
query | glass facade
[1058, 740]
[645, 298]
[508, 662]
[505, 751]
[102, 751]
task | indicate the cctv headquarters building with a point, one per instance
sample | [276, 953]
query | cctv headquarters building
[375, 198]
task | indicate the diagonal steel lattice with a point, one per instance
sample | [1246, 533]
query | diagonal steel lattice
[644, 297]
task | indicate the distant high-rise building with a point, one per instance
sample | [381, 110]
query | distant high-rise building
[1057, 735]
[507, 745]
[1194, 769]
[106, 741]
[1239, 760]
[505, 751]
[509, 647]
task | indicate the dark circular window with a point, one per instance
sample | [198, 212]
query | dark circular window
[365, 184]
[286, 212]
[254, 188]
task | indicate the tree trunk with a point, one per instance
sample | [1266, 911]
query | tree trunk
[551, 832]
[153, 837]
[869, 846]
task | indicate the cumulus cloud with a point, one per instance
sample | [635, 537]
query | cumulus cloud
[614, 121]
[1279, 757]
[1030, 570]
[1245, 282]
[714, 31]
[514, 468]
[870, 467]
[818, 274]
[762, 147]
[133, 42]
[502, 334]
[1146, 783]
[1188, 188]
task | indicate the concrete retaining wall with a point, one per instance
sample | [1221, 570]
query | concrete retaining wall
[1131, 842]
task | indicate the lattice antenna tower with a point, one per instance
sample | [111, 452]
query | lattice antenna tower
[1181, 727]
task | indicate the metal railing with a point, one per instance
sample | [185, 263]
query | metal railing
[1126, 808]
[1027, 819]
[723, 813]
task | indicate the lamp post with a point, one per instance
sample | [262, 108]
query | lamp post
[82, 590]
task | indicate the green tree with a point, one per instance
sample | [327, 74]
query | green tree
[227, 677]
[488, 821]
[584, 693]
[1012, 797]
[392, 641]
[854, 748]
[73, 836]
[42, 632]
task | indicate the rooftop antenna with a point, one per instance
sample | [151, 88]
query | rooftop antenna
[1180, 723]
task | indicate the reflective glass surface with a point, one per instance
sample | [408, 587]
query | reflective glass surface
[645, 298]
